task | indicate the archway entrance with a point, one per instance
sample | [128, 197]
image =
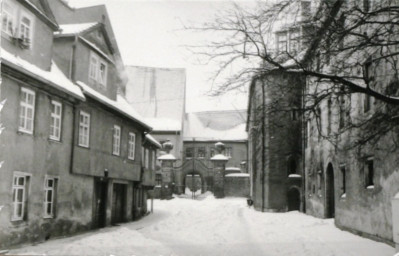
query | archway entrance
[293, 199]
[330, 197]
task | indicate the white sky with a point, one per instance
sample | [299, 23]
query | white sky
[150, 33]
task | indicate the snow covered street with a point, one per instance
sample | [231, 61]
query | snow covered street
[209, 226]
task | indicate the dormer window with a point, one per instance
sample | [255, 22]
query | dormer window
[8, 17]
[97, 70]
[25, 29]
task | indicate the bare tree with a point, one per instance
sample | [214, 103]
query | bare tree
[343, 48]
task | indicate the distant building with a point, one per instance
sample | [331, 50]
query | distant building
[201, 131]
[159, 95]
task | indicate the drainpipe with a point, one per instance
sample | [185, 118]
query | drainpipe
[72, 68]
[263, 146]
[304, 126]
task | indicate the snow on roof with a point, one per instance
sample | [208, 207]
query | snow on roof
[95, 47]
[220, 157]
[216, 125]
[74, 29]
[233, 169]
[54, 77]
[294, 175]
[164, 124]
[167, 157]
[153, 140]
[120, 105]
[237, 175]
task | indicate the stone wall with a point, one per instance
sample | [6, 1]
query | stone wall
[236, 185]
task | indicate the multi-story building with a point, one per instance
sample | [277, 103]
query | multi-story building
[348, 158]
[76, 155]
[36, 142]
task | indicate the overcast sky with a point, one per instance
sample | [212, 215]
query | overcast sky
[150, 33]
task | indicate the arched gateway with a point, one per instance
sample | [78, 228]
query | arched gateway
[194, 167]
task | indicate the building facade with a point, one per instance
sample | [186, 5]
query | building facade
[76, 155]
[274, 142]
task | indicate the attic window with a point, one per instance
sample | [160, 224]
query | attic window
[98, 34]
[7, 21]
[97, 70]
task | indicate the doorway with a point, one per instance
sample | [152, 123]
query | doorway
[100, 192]
[294, 199]
[118, 203]
[330, 196]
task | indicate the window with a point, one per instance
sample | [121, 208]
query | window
[369, 173]
[27, 110]
[55, 125]
[19, 196]
[366, 5]
[343, 175]
[8, 16]
[132, 145]
[329, 117]
[49, 197]
[25, 29]
[116, 144]
[282, 42]
[84, 129]
[201, 152]
[294, 41]
[305, 9]
[212, 152]
[366, 103]
[158, 179]
[228, 151]
[189, 152]
[97, 70]
[294, 114]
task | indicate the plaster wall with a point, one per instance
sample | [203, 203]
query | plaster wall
[37, 156]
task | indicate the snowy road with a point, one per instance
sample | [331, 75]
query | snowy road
[215, 227]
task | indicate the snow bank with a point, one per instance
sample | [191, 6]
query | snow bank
[209, 226]
[54, 77]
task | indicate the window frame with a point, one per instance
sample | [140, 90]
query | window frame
[131, 146]
[25, 190]
[204, 152]
[281, 35]
[26, 105]
[26, 15]
[228, 152]
[54, 117]
[13, 17]
[192, 152]
[116, 140]
[95, 74]
[369, 174]
[80, 135]
[53, 201]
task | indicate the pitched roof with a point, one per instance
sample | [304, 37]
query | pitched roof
[215, 125]
[42, 8]
[54, 77]
[120, 105]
